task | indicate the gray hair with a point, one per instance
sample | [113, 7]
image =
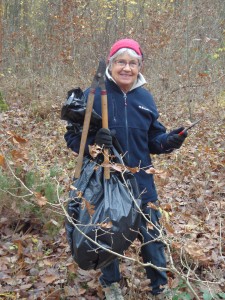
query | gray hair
[129, 51]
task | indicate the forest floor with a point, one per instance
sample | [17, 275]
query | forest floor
[35, 260]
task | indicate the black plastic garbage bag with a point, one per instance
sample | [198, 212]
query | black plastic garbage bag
[106, 211]
[74, 109]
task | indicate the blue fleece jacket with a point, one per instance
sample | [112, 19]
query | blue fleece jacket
[133, 119]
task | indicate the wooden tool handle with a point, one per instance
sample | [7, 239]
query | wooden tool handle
[105, 125]
[86, 125]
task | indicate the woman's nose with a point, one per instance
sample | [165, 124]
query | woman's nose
[127, 66]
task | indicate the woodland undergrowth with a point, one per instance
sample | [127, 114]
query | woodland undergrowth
[36, 170]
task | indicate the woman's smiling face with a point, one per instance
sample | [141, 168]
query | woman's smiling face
[124, 71]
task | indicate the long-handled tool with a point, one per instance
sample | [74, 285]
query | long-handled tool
[189, 127]
[105, 124]
[95, 83]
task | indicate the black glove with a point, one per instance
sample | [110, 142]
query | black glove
[174, 140]
[104, 138]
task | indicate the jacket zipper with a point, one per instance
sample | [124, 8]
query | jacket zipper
[126, 124]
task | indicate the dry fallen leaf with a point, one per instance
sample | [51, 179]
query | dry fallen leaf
[19, 247]
[191, 187]
[106, 225]
[73, 187]
[2, 161]
[150, 171]
[94, 150]
[195, 251]
[16, 154]
[48, 279]
[152, 205]
[90, 207]
[17, 138]
[41, 200]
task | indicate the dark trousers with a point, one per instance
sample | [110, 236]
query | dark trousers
[152, 251]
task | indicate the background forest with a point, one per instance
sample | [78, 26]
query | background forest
[48, 47]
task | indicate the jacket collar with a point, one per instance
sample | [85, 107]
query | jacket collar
[139, 82]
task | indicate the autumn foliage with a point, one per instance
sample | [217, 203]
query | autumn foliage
[49, 47]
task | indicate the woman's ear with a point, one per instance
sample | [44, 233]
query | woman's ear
[141, 68]
[110, 69]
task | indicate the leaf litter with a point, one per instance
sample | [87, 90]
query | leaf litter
[38, 265]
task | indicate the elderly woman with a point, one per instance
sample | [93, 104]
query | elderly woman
[133, 120]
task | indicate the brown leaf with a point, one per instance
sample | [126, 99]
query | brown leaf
[41, 200]
[153, 206]
[117, 167]
[48, 262]
[84, 273]
[92, 283]
[9, 281]
[195, 250]
[150, 226]
[166, 207]
[168, 227]
[26, 286]
[150, 171]
[214, 256]
[94, 150]
[121, 168]
[17, 138]
[19, 247]
[203, 74]
[72, 268]
[176, 245]
[73, 188]
[19, 155]
[79, 194]
[49, 278]
[145, 283]
[81, 291]
[106, 225]
[133, 170]
[2, 161]
[69, 291]
[90, 207]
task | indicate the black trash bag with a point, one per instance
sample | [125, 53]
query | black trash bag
[105, 212]
[74, 109]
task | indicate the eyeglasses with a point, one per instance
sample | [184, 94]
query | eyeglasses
[123, 63]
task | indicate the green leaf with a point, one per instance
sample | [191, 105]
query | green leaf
[207, 296]
[185, 296]
[215, 56]
[221, 295]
